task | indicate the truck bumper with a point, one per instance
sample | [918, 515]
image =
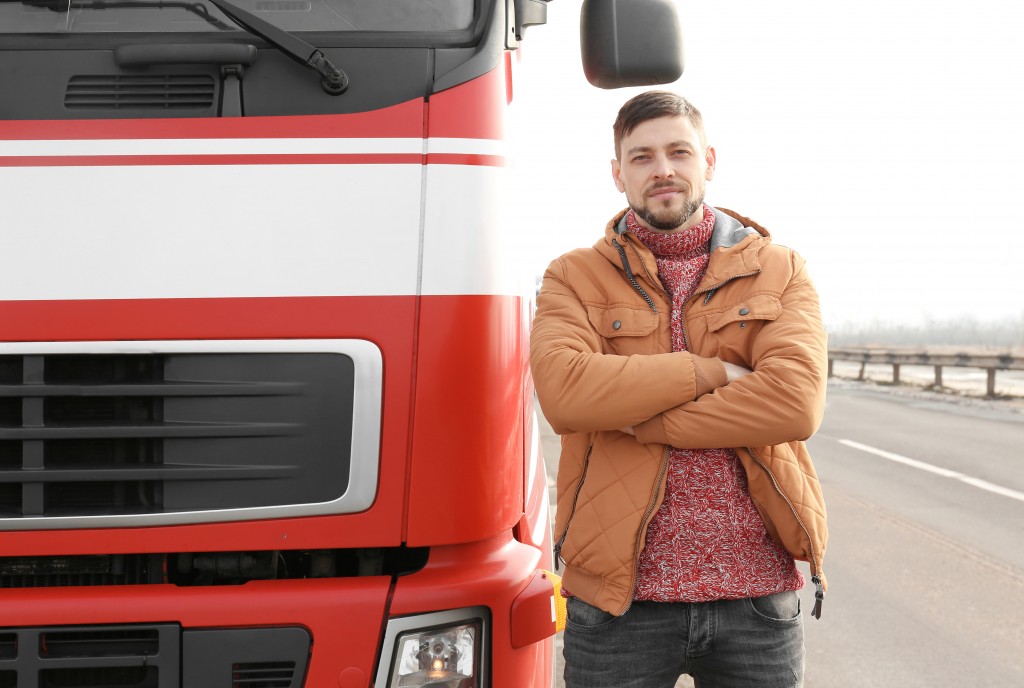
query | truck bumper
[347, 621]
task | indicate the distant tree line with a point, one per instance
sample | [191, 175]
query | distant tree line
[969, 332]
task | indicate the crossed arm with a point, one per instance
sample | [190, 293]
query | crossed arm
[682, 399]
[582, 389]
[732, 372]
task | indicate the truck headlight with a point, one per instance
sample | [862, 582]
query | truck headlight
[440, 650]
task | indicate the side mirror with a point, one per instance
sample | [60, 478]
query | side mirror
[630, 42]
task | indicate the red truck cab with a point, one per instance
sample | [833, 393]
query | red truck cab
[266, 417]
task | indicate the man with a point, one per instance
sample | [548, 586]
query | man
[683, 360]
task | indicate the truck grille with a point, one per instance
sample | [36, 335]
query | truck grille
[262, 674]
[152, 656]
[101, 435]
[79, 657]
[74, 571]
[8, 646]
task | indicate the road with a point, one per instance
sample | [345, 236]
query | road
[926, 556]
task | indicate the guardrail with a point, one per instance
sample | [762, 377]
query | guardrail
[896, 357]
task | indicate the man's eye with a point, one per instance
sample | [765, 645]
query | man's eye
[681, 152]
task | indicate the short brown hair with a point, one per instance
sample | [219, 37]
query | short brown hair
[652, 105]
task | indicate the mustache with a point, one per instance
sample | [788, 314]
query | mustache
[658, 186]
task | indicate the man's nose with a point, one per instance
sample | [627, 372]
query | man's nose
[663, 167]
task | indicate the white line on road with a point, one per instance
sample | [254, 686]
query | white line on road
[937, 470]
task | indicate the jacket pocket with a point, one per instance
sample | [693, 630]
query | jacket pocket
[624, 330]
[760, 307]
[557, 548]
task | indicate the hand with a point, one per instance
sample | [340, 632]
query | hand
[735, 372]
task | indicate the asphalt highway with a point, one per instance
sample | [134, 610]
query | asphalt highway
[925, 563]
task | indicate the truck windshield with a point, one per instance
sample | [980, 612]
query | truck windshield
[185, 16]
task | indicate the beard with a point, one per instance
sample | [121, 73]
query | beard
[667, 219]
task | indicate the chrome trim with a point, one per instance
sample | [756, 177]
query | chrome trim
[366, 427]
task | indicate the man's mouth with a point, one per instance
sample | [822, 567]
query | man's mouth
[665, 191]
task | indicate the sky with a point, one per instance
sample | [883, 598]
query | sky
[881, 139]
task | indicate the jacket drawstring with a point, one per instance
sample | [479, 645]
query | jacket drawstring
[632, 279]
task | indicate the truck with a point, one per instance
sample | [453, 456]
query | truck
[266, 415]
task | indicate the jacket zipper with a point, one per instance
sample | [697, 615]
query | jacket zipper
[557, 549]
[664, 457]
[643, 527]
[819, 589]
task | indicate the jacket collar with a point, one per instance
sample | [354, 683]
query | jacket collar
[731, 231]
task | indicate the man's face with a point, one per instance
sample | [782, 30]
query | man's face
[662, 170]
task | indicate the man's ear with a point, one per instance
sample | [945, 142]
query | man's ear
[616, 176]
[709, 158]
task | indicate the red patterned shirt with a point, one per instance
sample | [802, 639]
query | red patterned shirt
[707, 541]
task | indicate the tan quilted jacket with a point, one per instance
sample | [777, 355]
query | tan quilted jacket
[602, 360]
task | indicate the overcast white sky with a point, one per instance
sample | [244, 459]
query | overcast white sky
[882, 139]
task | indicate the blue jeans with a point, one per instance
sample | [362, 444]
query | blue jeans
[749, 643]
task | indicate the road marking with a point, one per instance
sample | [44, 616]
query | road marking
[937, 470]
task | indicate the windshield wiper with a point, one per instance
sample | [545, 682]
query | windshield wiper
[333, 79]
[63, 6]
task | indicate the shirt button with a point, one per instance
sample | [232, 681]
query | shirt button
[744, 311]
[616, 325]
